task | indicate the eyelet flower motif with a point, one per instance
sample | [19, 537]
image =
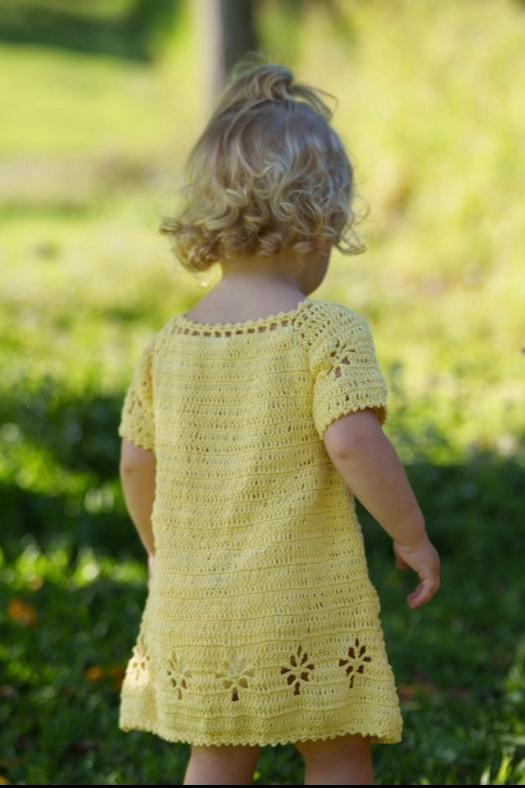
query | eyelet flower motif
[356, 660]
[299, 670]
[139, 666]
[177, 674]
[234, 675]
[336, 355]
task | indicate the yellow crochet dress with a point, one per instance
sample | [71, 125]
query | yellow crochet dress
[261, 625]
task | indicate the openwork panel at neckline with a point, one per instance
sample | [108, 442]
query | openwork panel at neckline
[184, 325]
[226, 332]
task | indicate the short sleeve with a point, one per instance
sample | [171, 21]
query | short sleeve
[347, 376]
[137, 422]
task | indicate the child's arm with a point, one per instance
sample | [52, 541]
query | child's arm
[369, 465]
[137, 475]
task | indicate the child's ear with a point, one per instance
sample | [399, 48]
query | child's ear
[322, 245]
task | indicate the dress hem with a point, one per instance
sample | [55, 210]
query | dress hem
[261, 742]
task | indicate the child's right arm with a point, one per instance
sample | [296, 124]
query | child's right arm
[369, 465]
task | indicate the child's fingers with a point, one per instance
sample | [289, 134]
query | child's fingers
[424, 592]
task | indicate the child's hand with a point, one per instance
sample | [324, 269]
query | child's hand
[151, 567]
[423, 558]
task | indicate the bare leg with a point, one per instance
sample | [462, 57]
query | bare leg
[224, 765]
[345, 760]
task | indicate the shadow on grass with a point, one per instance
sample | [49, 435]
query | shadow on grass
[457, 661]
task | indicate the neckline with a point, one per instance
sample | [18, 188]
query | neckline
[277, 317]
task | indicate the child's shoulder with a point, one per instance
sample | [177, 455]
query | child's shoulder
[328, 320]
[160, 336]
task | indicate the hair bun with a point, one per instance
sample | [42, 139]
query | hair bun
[250, 83]
[270, 82]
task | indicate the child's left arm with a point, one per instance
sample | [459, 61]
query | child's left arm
[137, 475]
[137, 455]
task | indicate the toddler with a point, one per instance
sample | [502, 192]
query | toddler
[249, 427]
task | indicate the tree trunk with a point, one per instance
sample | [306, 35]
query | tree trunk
[238, 30]
[227, 32]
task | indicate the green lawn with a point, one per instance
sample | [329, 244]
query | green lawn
[91, 145]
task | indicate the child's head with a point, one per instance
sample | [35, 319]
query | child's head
[267, 176]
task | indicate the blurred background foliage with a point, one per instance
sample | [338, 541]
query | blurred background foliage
[101, 102]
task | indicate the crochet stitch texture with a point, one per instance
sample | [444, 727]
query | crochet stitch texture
[261, 625]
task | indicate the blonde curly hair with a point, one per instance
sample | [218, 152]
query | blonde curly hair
[267, 175]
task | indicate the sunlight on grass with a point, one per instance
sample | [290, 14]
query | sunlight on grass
[34, 567]
[441, 280]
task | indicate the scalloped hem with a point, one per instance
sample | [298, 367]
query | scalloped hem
[261, 742]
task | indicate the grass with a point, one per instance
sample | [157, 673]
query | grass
[431, 114]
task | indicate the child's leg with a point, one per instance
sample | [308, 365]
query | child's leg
[345, 760]
[224, 765]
